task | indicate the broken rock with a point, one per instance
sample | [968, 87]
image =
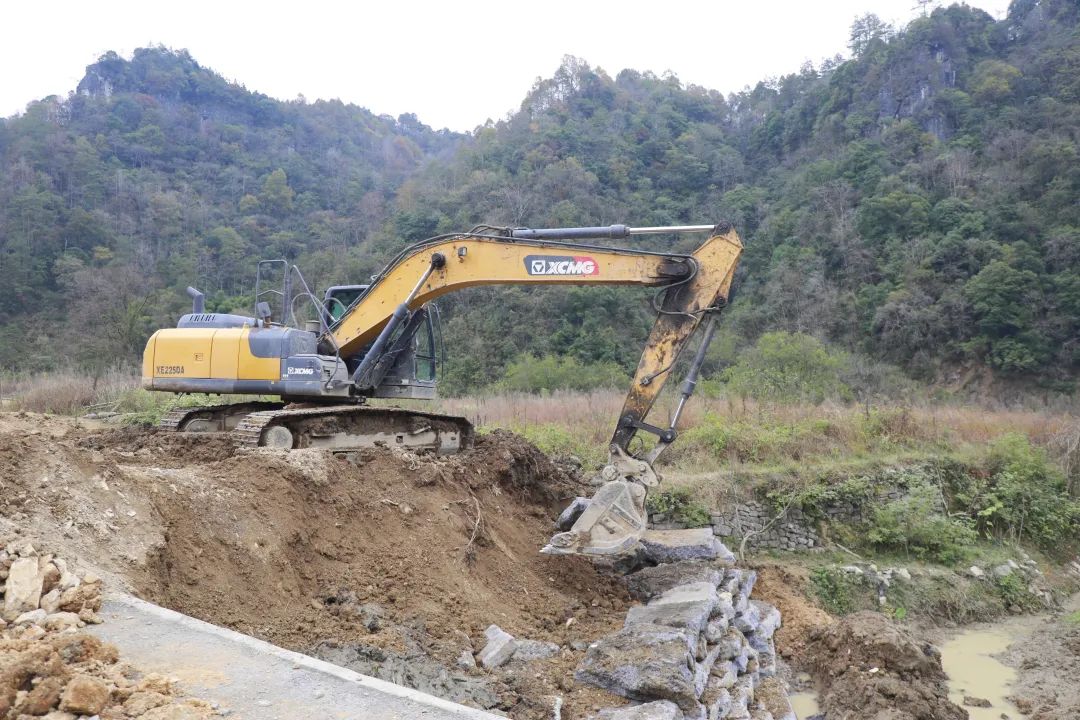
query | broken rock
[747, 621]
[50, 601]
[466, 661]
[529, 650]
[717, 699]
[61, 621]
[35, 617]
[22, 591]
[685, 606]
[572, 512]
[659, 710]
[770, 619]
[499, 649]
[84, 696]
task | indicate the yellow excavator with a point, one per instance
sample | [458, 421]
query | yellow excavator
[383, 340]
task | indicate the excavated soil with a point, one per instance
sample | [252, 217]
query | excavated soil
[384, 559]
[784, 586]
[869, 668]
[80, 675]
[1047, 665]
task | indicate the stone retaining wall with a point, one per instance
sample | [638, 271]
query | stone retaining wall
[699, 648]
[794, 531]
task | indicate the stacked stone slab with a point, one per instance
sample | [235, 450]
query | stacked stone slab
[698, 646]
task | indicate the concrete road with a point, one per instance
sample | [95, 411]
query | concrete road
[254, 680]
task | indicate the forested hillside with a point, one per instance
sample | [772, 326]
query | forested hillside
[917, 203]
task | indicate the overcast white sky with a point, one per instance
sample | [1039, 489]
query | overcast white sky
[454, 63]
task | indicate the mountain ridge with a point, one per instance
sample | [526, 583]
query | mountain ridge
[915, 203]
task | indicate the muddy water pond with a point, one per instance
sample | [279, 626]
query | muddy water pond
[804, 704]
[970, 661]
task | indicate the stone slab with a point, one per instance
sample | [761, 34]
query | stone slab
[659, 710]
[669, 546]
[499, 649]
[650, 582]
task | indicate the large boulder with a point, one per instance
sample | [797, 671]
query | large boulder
[644, 662]
[22, 591]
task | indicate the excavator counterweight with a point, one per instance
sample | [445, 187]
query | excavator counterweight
[383, 340]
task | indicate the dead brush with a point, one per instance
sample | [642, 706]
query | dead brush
[68, 392]
[1065, 445]
[478, 530]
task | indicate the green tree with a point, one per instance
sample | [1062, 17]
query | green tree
[866, 32]
[786, 367]
[276, 195]
[1003, 298]
[993, 81]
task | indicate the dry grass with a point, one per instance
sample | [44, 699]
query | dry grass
[718, 434]
[595, 413]
[66, 392]
[731, 433]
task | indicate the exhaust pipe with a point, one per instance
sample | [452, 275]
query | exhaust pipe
[198, 301]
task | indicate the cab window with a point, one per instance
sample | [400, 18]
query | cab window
[340, 300]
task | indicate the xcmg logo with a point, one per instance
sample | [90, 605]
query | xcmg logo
[560, 265]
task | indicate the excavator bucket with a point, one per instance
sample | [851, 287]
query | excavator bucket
[615, 519]
[612, 524]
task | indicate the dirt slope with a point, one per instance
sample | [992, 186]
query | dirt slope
[386, 551]
[869, 668]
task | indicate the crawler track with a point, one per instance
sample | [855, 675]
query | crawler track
[343, 428]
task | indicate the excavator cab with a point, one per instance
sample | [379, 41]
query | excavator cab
[415, 352]
[339, 298]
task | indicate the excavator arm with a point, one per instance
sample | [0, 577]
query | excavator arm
[696, 289]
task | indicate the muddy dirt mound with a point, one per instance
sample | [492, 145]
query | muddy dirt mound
[382, 554]
[870, 669]
[1047, 665]
[163, 445]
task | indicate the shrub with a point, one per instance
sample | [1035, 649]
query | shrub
[915, 524]
[1020, 494]
[549, 373]
[833, 590]
[787, 367]
[894, 425]
[680, 506]
[816, 497]
[1014, 593]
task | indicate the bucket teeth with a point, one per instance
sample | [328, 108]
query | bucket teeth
[612, 524]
